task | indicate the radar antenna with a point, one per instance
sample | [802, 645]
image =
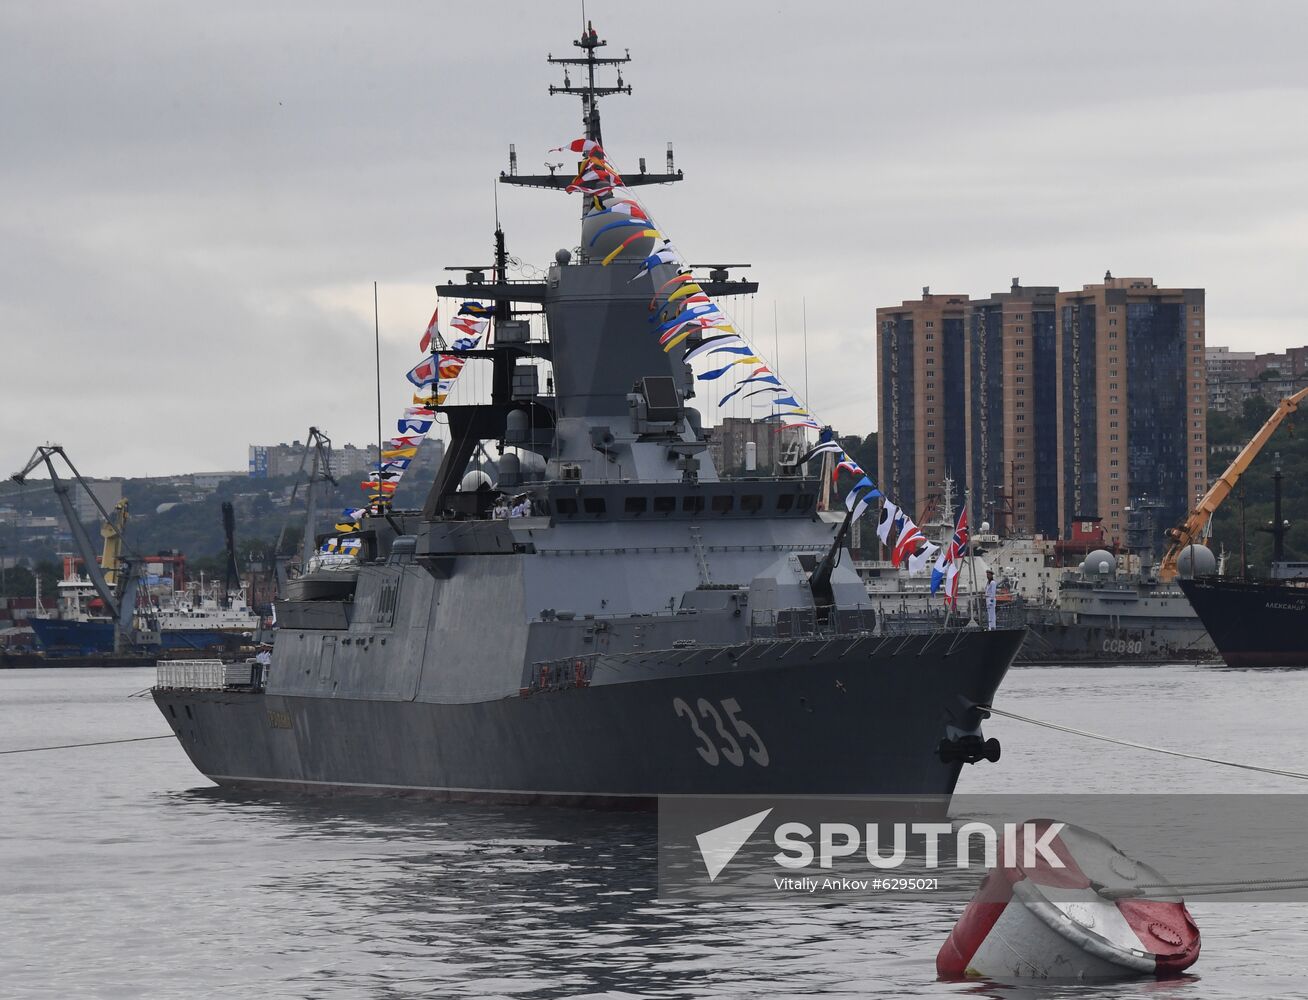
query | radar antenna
[590, 92]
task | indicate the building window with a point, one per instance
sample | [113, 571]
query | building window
[1197, 322]
[1112, 322]
[1112, 413]
[931, 434]
[1020, 316]
[1021, 354]
[1020, 379]
[1112, 309]
[1113, 437]
[1021, 342]
[1114, 475]
[1113, 462]
[1021, 368]
[930, 323]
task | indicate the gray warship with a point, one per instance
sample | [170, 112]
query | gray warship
[649, 627]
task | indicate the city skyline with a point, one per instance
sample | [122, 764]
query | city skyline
[197, 202]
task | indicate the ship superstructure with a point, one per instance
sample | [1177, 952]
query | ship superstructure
[642, 626]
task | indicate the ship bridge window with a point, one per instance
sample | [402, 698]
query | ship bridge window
[692, 504]
[566, 505]
[635, 505]
[722, 503]
[593, 505]
[665, 505]
[786, 501]
[751, 503]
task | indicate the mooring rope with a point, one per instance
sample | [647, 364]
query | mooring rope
[97, 743]
[1205, 888]
[1144, 746]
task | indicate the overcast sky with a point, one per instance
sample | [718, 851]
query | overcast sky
[196, 198]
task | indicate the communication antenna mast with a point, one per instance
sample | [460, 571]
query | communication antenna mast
[590, 92]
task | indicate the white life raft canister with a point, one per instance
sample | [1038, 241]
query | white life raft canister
[1085, 920]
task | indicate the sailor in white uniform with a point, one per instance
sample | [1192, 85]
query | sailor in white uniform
[992, 594]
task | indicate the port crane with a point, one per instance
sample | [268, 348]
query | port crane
[317, 455]
[1191, 530]
[116, 589]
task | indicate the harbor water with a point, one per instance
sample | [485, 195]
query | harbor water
[124, 873]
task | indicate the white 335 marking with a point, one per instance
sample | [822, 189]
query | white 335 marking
[726, 745]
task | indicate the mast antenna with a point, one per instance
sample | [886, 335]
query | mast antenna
[590, 90]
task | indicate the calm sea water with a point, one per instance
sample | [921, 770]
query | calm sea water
[124, 873]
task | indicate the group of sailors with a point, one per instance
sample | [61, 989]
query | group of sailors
[519, 506]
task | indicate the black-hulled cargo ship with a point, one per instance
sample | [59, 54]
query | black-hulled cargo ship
[1257, 623]
[639, 627]
[1253, 623]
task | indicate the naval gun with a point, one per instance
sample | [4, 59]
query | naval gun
[117, 590]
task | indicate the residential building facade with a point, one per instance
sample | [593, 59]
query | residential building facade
[1131, 400]
[921, 355]
[1010, 410]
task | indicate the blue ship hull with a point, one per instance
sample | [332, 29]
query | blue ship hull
[57, 637]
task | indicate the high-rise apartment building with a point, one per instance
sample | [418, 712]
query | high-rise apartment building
[1048, 406]
[1131, 401]
[1011, 410]
[921, 348]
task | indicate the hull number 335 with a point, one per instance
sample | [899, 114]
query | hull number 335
[722, 733]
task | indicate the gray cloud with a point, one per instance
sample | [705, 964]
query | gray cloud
[194, 201]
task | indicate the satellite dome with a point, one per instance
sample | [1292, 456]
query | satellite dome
[474, 481]
[1196, 560]
[1100, 562]
[604, 231]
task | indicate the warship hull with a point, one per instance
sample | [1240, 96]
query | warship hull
[867, 720]
[1055, 642]
[1253, 623]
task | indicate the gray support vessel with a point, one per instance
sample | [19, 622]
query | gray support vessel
[650, 628]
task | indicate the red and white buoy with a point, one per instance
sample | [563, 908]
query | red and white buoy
[1085, 920]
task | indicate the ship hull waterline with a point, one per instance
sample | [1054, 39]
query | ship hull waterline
[828, 726]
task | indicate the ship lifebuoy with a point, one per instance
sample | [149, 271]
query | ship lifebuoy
[579, 673]
[544, 678]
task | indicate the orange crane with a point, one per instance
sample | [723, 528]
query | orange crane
[1192, 528]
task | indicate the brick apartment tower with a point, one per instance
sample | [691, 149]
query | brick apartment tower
[1131, 394]
[921, 348]
[1012, 440]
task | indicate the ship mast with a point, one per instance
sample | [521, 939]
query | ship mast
[590, 92]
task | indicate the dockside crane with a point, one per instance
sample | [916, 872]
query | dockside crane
[117, 592]
[1192, 529]
[317, 454]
